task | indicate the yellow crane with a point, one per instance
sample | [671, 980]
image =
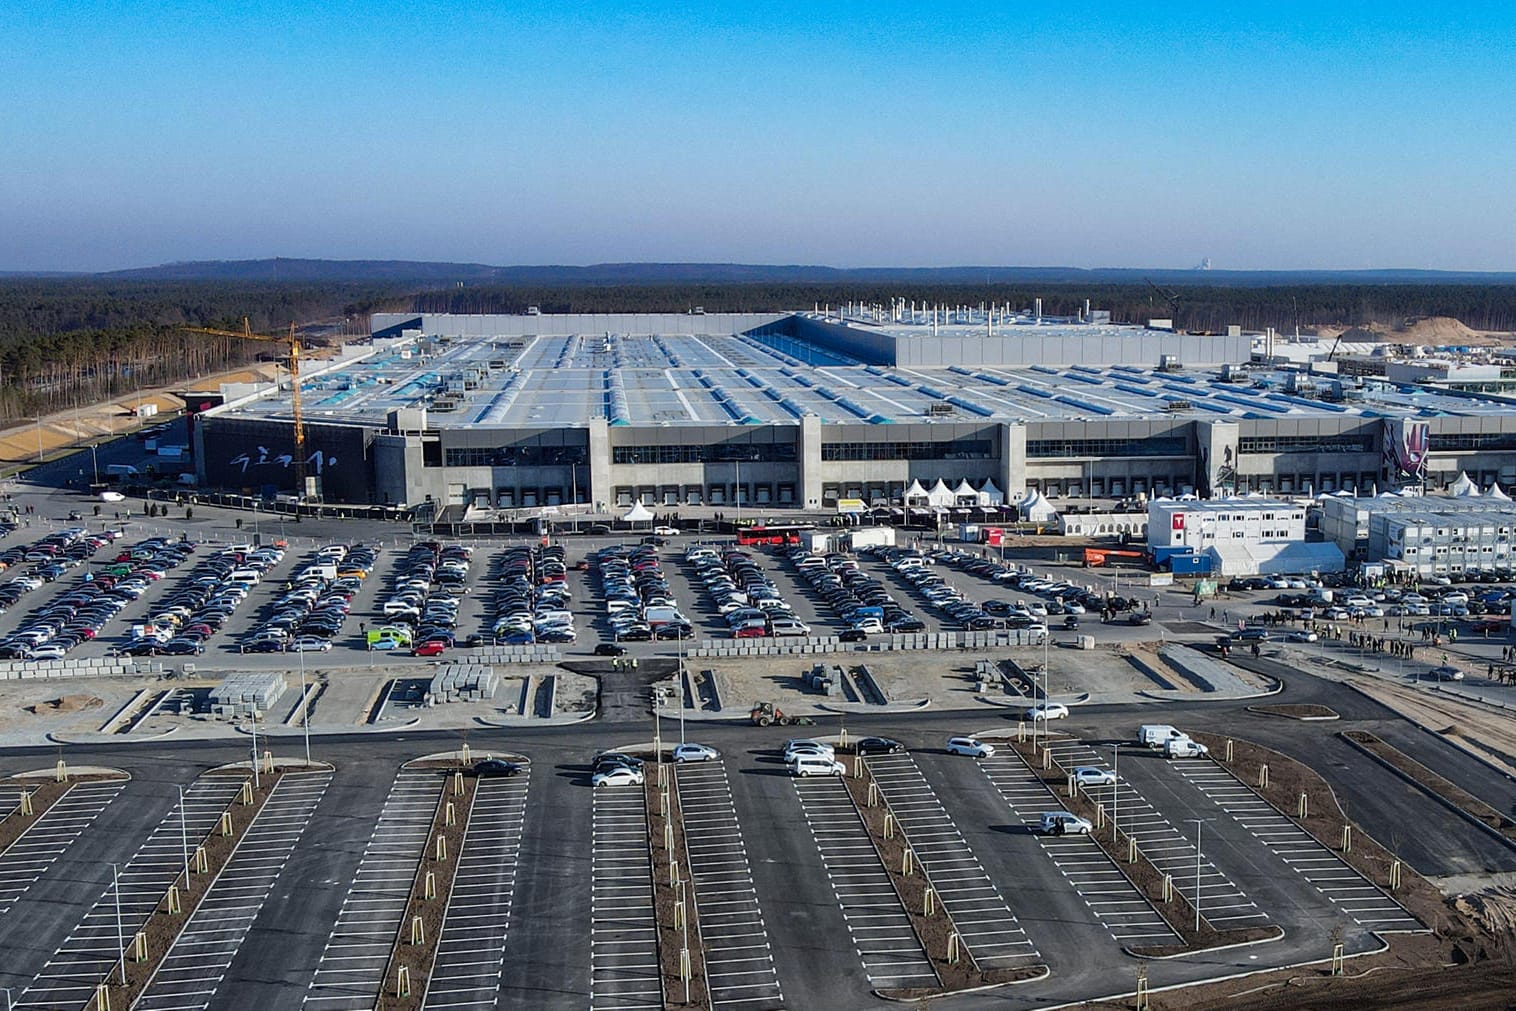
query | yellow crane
[292, 341]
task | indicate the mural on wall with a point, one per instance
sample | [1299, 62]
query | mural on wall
[260, 457]
[1406, 445]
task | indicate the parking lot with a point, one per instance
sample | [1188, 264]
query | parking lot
[791, 898]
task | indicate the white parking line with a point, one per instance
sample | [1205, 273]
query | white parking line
[883, 935]
[81, 962]
[348, 976]
[471, 948]
[196, 964]
[988, 927]
[1368, 905]
[739, 968]
[1108, 893]
[625, 974]
[34, 851]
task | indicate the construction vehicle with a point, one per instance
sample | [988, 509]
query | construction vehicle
[291, 341]
[766, 713]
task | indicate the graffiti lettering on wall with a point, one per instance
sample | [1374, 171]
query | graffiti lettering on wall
[261, 457]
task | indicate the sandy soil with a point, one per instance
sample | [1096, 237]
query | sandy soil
[1490, 736]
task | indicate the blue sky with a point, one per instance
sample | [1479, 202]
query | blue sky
[1262, 135]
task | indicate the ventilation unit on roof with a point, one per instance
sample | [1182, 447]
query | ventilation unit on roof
[939, 410]
[1175, 406]
[1169, 363]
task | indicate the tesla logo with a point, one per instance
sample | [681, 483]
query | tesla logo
[1179, 521]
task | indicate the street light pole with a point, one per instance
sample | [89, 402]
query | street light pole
[120, 931]
[184, 839]
[1115, 788]
[1198, 823]
[305, 710]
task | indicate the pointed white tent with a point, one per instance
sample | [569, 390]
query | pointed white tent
[965, 494]
[941, 496]
[1036, 508]
[1497, 492]
[915, 495]
[639, 513]
[1463, 487]
[991, 495]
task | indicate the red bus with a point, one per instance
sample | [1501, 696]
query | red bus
[773, 533]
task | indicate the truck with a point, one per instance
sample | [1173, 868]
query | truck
[1156, 735]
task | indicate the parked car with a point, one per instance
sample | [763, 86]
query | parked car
[619, 775]
[970, 746]
[695, 753]
[879, 746]
[496, 767]
[609, 649]
[1089, 775]
[1063, 823]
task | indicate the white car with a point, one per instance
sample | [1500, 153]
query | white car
[112, 496]
[695, 753]
[970, 746]
[310, 644]
[1047, 711]
[1064, 823]
[621, 775]
[47, 653]
[1089, 775]
[666, 531]
[1301, 635]
[807, 746]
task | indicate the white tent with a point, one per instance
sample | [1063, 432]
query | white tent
[1463, 487]
[915, 495]
[941, 496]
[990, 495]
[639, 513]
[965, 494]
[1497, 492]
[1036, 508]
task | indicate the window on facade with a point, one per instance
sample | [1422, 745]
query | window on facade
[514, 456]
[1472, 440]
[1056, 448]
[1306, 444]
[757, 452]
[957, 449]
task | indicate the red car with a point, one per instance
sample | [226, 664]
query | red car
[750, 632]
[432, 647]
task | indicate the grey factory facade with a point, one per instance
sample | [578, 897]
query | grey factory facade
[805, 409]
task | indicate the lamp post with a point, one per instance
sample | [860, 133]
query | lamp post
[1115, 788]
[305, 710]
[1198, 822]
[120, 930]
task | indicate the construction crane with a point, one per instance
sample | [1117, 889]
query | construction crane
[292, 341]
[1173, 298]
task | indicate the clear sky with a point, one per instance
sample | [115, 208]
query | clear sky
[1262, 135]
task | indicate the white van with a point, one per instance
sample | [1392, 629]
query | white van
[1154, 735]
[814, 765]
[243, 576]
[1183, 747]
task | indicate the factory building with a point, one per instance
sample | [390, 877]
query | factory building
[804, 410]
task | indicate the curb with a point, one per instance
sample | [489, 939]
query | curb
[1278, 936]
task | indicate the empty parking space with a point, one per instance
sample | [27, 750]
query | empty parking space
[351, 969]
[1170, 849]
[886, 941]
[624, 968]
[1355, 895]
[739, 965]
[1109, 894]
[29, 857]
[986, 924]
[196, 964]
[471, 949]
[81, 962]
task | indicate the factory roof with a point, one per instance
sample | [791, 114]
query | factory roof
[557, 381]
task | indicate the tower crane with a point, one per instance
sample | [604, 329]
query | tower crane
[291, 341]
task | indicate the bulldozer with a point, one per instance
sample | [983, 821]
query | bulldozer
[766, 713]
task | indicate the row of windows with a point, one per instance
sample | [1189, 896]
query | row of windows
[1059, 448]
[514, 456]
[1305, 444]
[743, 452]
[958, 449]
[1473, 440]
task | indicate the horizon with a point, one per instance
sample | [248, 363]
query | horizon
[1307, 138]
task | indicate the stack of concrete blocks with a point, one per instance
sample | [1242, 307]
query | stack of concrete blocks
[247, 693]
[528, 653]
[464, 682]
[90, 667]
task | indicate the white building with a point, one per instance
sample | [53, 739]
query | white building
[1434, 535]
[1242, 537]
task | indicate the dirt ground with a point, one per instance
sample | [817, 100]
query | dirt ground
[36, 708]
